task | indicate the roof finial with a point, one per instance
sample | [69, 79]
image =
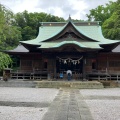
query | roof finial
[69, 17]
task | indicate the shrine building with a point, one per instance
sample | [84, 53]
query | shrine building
[61, 46]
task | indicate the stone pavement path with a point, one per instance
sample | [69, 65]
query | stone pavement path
[68, 105]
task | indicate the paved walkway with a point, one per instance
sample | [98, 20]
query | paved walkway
[68, 105]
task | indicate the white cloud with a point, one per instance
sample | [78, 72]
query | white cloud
[80, 6]
[76, 8]
[22, 5]
[57, 11]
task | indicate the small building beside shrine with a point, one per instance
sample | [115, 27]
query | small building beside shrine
[61, 46]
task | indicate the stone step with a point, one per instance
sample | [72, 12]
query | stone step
[18, 83]
[70, 84]
[52, 84]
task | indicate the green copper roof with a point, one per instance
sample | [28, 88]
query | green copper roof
[80, 44]
[45, 32]
[92, 32]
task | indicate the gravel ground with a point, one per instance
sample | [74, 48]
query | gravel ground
[11, 100]
[21, 113]
[33, 103]
[104, 104]
[27, 94]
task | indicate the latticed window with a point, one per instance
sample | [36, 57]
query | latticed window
[102, 63]
[114, 64]
[27, 63]
[88, 62]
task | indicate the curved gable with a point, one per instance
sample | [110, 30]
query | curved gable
[82, 34]
[69, 28]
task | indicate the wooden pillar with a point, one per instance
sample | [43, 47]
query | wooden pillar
[54, 66]
[84, 72]
[107, 64]
[50, 68]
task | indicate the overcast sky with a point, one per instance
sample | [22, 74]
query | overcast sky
[62, 8]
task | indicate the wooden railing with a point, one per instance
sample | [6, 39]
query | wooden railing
[103, 75]
[25, 74]
[44, 74]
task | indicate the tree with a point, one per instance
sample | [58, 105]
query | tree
[111, 27]
[101, 13]
[109, 16]
[5, 60]
[29, 23]
[28, 33]
[9, 35]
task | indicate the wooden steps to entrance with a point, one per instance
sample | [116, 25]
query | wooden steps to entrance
[70, 84]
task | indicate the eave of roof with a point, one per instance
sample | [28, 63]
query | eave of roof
[91, 45]
[47, 32]
[117, 49]
[19, 49]
[75, 27]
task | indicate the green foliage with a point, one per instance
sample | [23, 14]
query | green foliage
[22, 26]
[9, 35]
[109, 16]
[77, 20]
[111, 27]
[5, 60]
[101, 13]
[6, 15]
[30, 23]
[28, 33]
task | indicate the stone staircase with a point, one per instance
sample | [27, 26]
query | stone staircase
[18, 83]
[52, 84]
[70, 84]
